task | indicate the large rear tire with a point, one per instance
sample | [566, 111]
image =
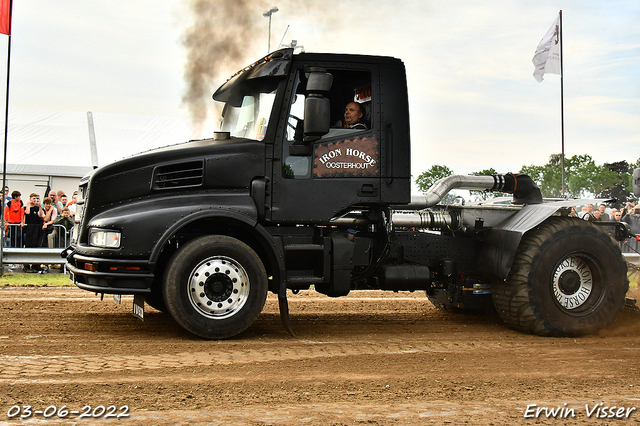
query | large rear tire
[215, 286]
[568, 279]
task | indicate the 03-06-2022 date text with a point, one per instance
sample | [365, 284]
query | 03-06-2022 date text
[87, 411]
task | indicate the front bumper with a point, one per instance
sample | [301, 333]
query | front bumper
[111, 276]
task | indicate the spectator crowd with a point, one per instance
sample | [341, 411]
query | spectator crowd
[629, 214]
[38, 223]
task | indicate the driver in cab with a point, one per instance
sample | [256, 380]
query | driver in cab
[353, 114]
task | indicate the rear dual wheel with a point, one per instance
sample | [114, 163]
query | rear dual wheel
[568, 279]
[215, 286]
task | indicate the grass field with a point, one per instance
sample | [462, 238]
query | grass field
[35, 280]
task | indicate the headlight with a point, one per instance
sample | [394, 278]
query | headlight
[104, 238]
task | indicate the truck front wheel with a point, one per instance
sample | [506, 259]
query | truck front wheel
[568, 279]
[215, 286]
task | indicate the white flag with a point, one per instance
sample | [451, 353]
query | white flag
[547, 56]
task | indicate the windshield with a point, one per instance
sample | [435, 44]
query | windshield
[250, 118]
[249, 96]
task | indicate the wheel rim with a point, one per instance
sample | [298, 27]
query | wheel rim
[576, 284]
[218, 287]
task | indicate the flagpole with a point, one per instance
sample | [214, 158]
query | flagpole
[562, 102]
[6, 131]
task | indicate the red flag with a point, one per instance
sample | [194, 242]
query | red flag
[5, 17]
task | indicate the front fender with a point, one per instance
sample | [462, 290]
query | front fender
[235, 217]
[147, 223]
[223, 212]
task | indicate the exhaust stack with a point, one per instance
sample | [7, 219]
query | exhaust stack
[524, 190]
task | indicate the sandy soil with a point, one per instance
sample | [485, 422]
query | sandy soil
[370, 358]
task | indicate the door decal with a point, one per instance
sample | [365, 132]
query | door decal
[357, 157]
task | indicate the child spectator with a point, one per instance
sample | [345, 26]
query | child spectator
[33, 225]
[33, 222]
[48, 215]
[14, 216]
[58, 235]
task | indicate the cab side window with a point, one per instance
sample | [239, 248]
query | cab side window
[350, 90]
[295, 166]
[350, 96]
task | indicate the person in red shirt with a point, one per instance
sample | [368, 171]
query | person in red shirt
[14, 216]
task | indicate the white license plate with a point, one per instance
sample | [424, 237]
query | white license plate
[138, 306]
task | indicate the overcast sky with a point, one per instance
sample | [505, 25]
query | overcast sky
[474, 103]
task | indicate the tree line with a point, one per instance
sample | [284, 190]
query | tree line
[583, 178]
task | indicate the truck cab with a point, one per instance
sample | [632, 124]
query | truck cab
[316, 168]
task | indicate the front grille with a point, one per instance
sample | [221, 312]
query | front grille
[80, 203]
[181, 175]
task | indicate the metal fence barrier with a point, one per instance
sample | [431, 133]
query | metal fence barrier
[49, 245]
[56, 236]
[32, 255]
[630, 245]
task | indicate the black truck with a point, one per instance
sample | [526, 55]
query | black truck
[284, 197]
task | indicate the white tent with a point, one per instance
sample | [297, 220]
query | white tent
[52, 148]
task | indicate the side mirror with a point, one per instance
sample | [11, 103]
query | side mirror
[317, 109]
[319, 82]
[316, 116]
[636, 182]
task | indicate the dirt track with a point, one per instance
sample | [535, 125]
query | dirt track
[370, 358]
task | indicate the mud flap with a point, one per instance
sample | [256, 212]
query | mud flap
[138, 306]
[284, 313]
